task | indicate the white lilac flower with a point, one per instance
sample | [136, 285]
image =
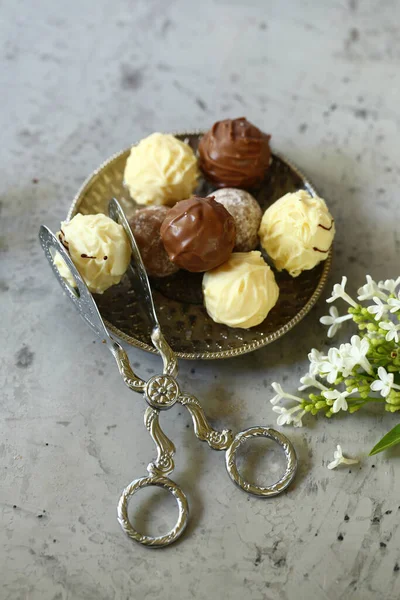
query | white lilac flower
[334, 321]
[392, 330]
[316, 358]
[331, 367]
[310, 381]
[297, 420]
[289, 416]
[389, 285]
[351, 357]
[379, 309]
[385, 383]
[355, 353]
[369, 290]
[348, 361]
[280, 394]
[394, 304]
[339, 292]
[339, 459]
[339, 398]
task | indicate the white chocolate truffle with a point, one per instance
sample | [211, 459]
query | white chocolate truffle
[240, 292]
[161, 170]
[247, 214]
[98, 247]
[297, 232]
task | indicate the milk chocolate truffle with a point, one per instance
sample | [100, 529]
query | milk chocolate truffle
[145, 225]
[234, 153]
[198, 234]
[247, 214]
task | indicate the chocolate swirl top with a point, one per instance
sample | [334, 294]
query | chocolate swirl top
[198, 234]
[234, 153]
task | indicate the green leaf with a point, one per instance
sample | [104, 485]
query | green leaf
[390, 439]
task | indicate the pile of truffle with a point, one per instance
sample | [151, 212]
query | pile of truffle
[216, 235]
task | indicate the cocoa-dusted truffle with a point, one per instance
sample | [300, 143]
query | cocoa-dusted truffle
[145, 225]
[234, 153]
[198, 234]
[247, 214]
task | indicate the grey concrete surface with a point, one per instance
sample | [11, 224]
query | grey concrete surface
[79, 80]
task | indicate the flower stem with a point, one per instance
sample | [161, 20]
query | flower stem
[365, 400]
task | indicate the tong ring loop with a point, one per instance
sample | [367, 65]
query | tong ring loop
[148, 540]
[279, 438]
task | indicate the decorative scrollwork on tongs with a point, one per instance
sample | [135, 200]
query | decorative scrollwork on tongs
[164, 463]
[218, 440]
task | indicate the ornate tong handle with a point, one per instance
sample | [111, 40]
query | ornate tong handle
[161, 393]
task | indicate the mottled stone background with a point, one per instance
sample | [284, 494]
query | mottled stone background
[79, 80]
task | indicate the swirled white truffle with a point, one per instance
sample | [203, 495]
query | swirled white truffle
[99, 249]
[246, 213]
[161, 170]
[241, 292]
[297, 232]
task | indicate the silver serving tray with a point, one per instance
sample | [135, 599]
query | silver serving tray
[178, 299]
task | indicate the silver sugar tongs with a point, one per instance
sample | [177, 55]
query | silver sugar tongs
[161, 392]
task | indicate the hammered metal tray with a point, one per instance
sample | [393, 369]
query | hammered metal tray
[178, 299]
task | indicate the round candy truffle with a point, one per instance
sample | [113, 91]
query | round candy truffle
[161, 170]
[297, 232]
[234, 153]
[198, 234]
[247, 214]
[241, 292]
[145, 225]
[99, 249]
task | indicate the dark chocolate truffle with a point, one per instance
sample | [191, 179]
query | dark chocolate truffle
[145, 225]
[234, 153]
[198, 234]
